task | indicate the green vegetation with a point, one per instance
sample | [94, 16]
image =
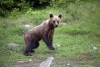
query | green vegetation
[78, 34]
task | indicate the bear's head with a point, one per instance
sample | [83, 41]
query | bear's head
[54, 20]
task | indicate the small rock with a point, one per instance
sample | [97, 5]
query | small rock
[26, 25]
[30, 60]
[56, 45]
[13, 44]
[68, 64]
[94, 48]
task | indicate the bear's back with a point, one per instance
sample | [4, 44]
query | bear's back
[39, 30]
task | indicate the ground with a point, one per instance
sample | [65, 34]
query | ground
[25, 64]
[83, 62]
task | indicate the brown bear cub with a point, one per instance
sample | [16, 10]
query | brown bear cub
[43, 31]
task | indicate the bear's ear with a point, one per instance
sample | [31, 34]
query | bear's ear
[60, 15]
[50, 15]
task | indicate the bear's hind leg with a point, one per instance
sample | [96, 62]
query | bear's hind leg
[26, 51]
[32, 51]
[35, 45]
[28, 48]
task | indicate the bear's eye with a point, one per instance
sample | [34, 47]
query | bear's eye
[53, 21]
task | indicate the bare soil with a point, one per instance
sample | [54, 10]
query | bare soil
[85, 61]
[25, 64]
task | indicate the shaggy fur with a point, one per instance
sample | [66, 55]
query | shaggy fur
[43, 31]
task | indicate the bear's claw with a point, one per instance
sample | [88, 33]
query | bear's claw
[51, 48]
[26, 54]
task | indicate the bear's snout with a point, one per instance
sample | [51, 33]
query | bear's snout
[56, 25]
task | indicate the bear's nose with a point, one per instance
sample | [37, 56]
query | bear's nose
[56, 26]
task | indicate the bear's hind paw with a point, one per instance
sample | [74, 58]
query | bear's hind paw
[26, 54]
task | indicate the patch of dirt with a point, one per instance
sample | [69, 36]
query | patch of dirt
[26, 64]
[86, 56]
[57, 63]
[84, 60]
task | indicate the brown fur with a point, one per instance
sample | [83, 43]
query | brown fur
[43, 31]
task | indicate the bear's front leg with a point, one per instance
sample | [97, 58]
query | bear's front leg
[48, 43]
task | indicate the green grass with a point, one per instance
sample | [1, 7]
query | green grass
[77, 34]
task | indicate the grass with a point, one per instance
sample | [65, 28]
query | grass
[77, 34]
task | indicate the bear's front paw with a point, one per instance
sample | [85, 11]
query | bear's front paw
[51, 48]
